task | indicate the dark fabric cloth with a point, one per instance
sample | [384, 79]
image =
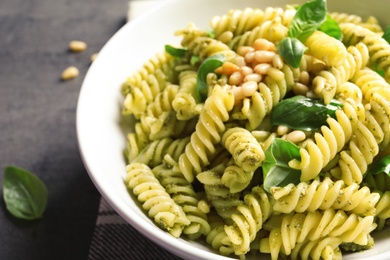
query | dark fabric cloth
[114, 238]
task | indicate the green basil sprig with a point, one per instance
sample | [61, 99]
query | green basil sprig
[276, 171]
[380, 166]
[207, 66]
[306, 21]
[303, 113]
[25, 195]
[331, 28]
[175, 52]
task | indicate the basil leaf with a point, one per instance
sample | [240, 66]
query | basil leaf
[25, 195]
[208, 65]
[331, 28]
[307, 19]
[386, 35]
[276, 170]
[175, 52]
[303, 113]
[383, 165]
[291, 49]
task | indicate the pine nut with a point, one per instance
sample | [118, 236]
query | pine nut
[77, 46]
[229, 68]
[236, 78]
[264, 56]
[263, 44]
[282, 130]
[239, 61]
[245, 70]
[70, 73]
[249, 88]
[253, 77]
[262, 68]
[243, 50]
[250, 57]
[296, 136]
[238, 93]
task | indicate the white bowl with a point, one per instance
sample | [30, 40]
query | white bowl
[100, 134]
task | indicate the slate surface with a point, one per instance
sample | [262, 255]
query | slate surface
[37, 118]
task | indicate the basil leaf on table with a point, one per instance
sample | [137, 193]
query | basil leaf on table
[291, 49]
[331, 28]
[208, 65]
[25, 195]
[383, 165]
[303, 113]
[175, 52]
[276, 170]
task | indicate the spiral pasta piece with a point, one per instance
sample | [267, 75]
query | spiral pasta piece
[327, 82]
[184, 102]
[325, 194]
[324, 248]
[132, 149]
[271, 30]
[240, 21]
[326, 48]
[245, 149]
[236, 179]
[371, 22]
[155, 151]
[292, 229]
[224, 202]
[159, 121]
[199, 44]
[378, 47]
[317, 153]
[142, 87]
[182, 192]
[207, 134]
[217, 237]
[155, 200]
[248, 220]
[383, 206]
[362, 150]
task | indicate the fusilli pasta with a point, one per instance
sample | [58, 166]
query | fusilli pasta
[211, 156]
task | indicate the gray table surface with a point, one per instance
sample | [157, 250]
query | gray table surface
[37, 118]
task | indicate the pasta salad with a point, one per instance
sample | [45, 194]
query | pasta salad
[268, 132]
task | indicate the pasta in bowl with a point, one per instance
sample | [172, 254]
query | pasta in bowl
[252, 129]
